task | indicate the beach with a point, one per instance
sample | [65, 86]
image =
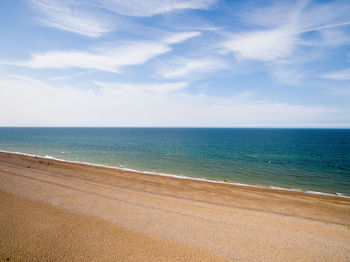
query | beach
[62, 211]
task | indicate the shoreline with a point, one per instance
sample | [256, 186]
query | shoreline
[338, 194]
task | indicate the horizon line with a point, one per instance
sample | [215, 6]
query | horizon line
[223, 127]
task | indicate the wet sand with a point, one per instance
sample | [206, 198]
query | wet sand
[59, 211]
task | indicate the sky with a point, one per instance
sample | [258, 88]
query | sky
[175, 63]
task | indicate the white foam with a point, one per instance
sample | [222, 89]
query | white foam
[183, 176]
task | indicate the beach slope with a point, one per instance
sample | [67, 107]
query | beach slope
[59, 211]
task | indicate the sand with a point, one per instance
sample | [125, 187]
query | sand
[59, 211]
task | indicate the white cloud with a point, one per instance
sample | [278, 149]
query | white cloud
[334, 37]
[180, 37]
[109, 59]
[58, 78]
[307, 15]
[71, 16]
[277, 31]
[153, 7]
[265, 45]
[184, 67]
[33, 103]
[285, 36]
[338, 75]
[93, 18]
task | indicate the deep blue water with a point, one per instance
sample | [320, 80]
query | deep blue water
[307, 159]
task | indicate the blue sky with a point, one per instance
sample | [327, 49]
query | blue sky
[209, 63]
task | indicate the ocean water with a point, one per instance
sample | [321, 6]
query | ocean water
[305, 159]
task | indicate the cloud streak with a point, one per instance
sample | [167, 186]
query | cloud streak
[95, 19]
[109, 59]
[261, 45]
[338, 75]
[71, 16]
[153, 7]
[284, 26]
[58, 78]
[187, 68]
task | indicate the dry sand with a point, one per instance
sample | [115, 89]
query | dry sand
[58, 211]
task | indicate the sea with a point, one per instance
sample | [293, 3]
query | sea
[310, 160]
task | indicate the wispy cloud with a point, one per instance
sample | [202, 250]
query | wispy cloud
[72, 16]
[180, 37]
[185, 67]
[334, 37]
[266, 45]
[338, 75]
[287, 75]
[284, 36]
[307, 15]
[153, 7]
[58, 78]
[109, 59]
[277, 31]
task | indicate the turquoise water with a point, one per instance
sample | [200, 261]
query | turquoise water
[306, 159]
